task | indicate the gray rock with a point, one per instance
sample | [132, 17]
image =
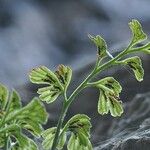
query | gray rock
[132, 130]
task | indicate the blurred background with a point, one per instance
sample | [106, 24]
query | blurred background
[52, 32]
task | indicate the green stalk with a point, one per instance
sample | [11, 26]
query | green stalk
[66, 105]
[69, 101]
[96, 71]
[7, 144]
[59, 125]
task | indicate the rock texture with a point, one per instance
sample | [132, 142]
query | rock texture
[132, 130]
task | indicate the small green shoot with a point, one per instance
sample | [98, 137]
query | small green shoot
[78, 128]
[75, 133]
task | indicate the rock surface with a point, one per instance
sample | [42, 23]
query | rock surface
[132, 130]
